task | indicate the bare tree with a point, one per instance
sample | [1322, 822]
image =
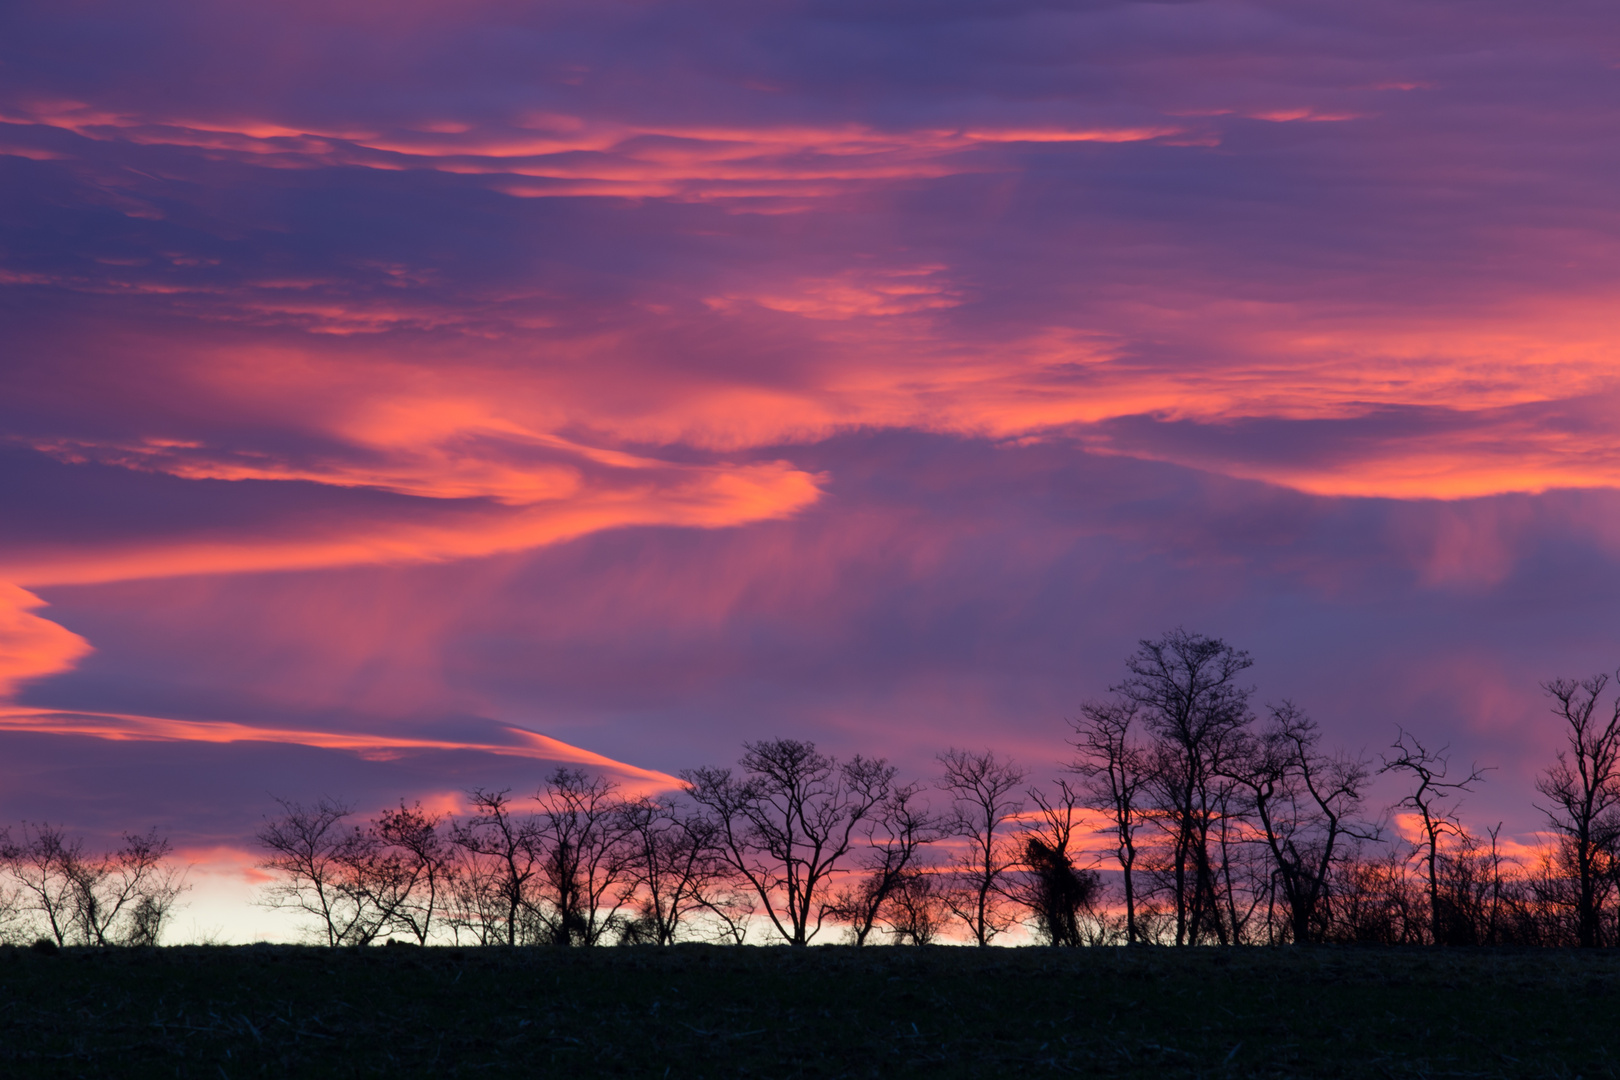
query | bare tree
[896, 832]
[477, 908]
[1583, 789]
[1185, 686]
[1304, 801]
[331, 871]
[729, 906]
[126, 897]
[1434, 800]
[421, 870]
[984, 800]
[43, 863]
[676, 868]
[380, 882]
[915, 912]
[788, 824]
[581, 829]
[1117, 770]
[119, 898]
[502, 859]
[1553, 897]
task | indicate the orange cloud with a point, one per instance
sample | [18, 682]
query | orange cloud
[884, 355]
[879, 349]
[855, 294]
[1526, 848]
[1283, 116]
[885, 350]
[479, 444]
[591, 157]
[523, 744]
[713, 498]
[32, 647]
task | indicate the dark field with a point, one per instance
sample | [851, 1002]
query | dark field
[700, 1011]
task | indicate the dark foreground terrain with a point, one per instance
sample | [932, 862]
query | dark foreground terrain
[698, 1011]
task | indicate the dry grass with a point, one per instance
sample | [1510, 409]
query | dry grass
[697, 1011]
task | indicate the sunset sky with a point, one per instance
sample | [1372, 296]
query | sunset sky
[401, 397]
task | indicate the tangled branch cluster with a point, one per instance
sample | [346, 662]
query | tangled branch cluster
[52, 889]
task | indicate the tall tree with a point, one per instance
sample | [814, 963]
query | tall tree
[896, 833]
[1116, 768]
[1305, 802]
[314, 851]
[581, 829]
[504, 859]
[1186, 688]
[984, 801]
[422, 867]
[676, 867]
[131, 892]
[787, 824]
[1434, 799]
[1582, 788]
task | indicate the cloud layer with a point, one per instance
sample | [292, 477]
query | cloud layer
[400, 381]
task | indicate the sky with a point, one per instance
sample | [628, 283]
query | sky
[400, 398]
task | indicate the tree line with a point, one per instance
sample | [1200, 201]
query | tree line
[1224, 825]
[53, 890]
[1220, 823]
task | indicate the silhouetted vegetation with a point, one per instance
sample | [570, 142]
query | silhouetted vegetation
[1223, 826]
[56, 891]
[1582, 789]
[985, 803]
[1192, 818]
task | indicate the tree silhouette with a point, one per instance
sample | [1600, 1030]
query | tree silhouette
[1185, 686]
[581, 830]
[1304, 801]
[123, 897]
[315, 852]
[677, 869]
[1117, 769]
[983, 790]
[423, 870]
[915, 913]
[1434, 800]
[502, 861]
[896, 832]
[1582, 788]
[787, 824]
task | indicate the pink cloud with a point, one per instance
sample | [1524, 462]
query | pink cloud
[32, 647]
[379, 747]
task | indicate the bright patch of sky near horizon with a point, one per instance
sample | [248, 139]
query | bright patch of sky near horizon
[383, 385]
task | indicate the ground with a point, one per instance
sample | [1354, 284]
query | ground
[707, 1011]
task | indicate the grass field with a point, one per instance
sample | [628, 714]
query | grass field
[702, 1011]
